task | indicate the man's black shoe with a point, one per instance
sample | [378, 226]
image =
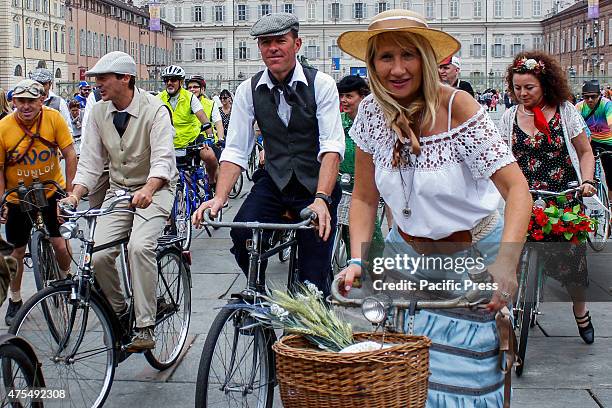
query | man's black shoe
[12, 310]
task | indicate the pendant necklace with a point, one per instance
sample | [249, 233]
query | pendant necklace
[407, 211]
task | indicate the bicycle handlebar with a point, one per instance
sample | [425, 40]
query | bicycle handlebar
[30, 188]
[471, 299]
[307, 215]
[71, 211]
[555, 193]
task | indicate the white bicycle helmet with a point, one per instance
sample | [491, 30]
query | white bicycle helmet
[173, 71]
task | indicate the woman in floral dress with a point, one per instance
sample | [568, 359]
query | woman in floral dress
[552, 149]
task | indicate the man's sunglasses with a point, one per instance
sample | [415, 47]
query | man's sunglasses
[590, 96]
[170, 79]
[32, 90]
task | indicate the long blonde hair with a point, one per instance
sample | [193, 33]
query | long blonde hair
[407, 120]
[4, 104]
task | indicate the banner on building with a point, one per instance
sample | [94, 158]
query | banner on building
[336, 63]
[361, 71]
[593, 10]
[154, 17]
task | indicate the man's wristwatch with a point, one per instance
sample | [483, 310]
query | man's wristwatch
[325, 198]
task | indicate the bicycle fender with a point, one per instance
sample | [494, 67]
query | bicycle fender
[27, 348]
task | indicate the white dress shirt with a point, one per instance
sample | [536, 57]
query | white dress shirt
[240, 138]
[63, 109]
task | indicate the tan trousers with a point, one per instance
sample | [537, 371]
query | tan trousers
[141, 254]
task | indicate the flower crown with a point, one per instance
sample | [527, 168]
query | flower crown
[525, 65]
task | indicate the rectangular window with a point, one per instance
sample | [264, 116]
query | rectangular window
[359, 11]
[162, 12]
[537, 42]
[453, 8]
[429, 9]
[602, 33]
[264, 9]
[55, 42]
[197, 14]
[243, 50]
[219, 14]
[45, 6]
[219, 50]
[36, 5]
[178, 51]
[94, 45]
[537, 8]
[498, 10]
[17, 36]
[312, 50]
[382, 6]
[62, 11]
[498, 47]
[178, 14]
[312, 10]
[477, 49]
[63, 43]
[29, 41]
[334, 11]
[517, 46]
[243, 12]
[518, 8]
[199, 51]
[333, 51]
[477, 8]
[37, 38]
[406, 5]
[288, 8]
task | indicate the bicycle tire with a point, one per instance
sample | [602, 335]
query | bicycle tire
[60, 374]
[529, 269]
[252, 164]
[44, 263]
[265, 337]
[237, 188]
[173, 296]
[598, 239]
[14, 359]
[181, 220]
[339, 253]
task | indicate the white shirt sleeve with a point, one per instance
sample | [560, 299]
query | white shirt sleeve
[66, 114]
[216, 115]
[196, 105]
[331, 133]
[91, 100]
[240, 138]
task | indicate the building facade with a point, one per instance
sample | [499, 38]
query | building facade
[96, 27]
[582, 45]
[212, 36]
[35, 37]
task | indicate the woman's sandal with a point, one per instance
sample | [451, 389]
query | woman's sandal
[588, 332]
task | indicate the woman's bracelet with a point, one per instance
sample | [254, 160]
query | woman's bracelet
[355, 261]
[591, 182]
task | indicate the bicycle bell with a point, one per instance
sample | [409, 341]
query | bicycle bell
[345, 178]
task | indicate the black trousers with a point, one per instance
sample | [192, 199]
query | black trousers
[267, 203]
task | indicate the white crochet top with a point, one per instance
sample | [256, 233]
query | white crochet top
[450, 179]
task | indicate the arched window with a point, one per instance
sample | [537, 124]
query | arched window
[58, 73]
[18, 71]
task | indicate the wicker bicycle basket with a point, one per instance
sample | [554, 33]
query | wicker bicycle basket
[394, 377]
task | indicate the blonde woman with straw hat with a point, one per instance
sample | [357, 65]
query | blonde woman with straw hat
[437, 159]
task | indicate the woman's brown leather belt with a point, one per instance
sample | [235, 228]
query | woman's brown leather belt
[457, 241]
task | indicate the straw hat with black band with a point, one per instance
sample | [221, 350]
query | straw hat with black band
[443, 44]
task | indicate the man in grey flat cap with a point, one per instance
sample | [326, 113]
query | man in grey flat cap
[131, 128]
[297, 109]
[53, 101]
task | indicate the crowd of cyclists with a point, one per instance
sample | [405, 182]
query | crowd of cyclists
[384, 134]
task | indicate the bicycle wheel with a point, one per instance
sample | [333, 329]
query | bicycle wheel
[237, 363]
[83, 361]
[237, 187]
[173, 309]
[598, 238]
[44, 263]
[524, 304]
[252, 164]
[339, 257]
[18, 372]
[181, 220]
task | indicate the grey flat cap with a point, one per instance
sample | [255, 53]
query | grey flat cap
[275, 24]
[41, 75]
[115, 62]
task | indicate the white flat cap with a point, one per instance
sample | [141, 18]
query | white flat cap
[115, 62]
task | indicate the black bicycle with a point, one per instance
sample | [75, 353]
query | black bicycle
[74, 330]
[32, 201]
[237, 362]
